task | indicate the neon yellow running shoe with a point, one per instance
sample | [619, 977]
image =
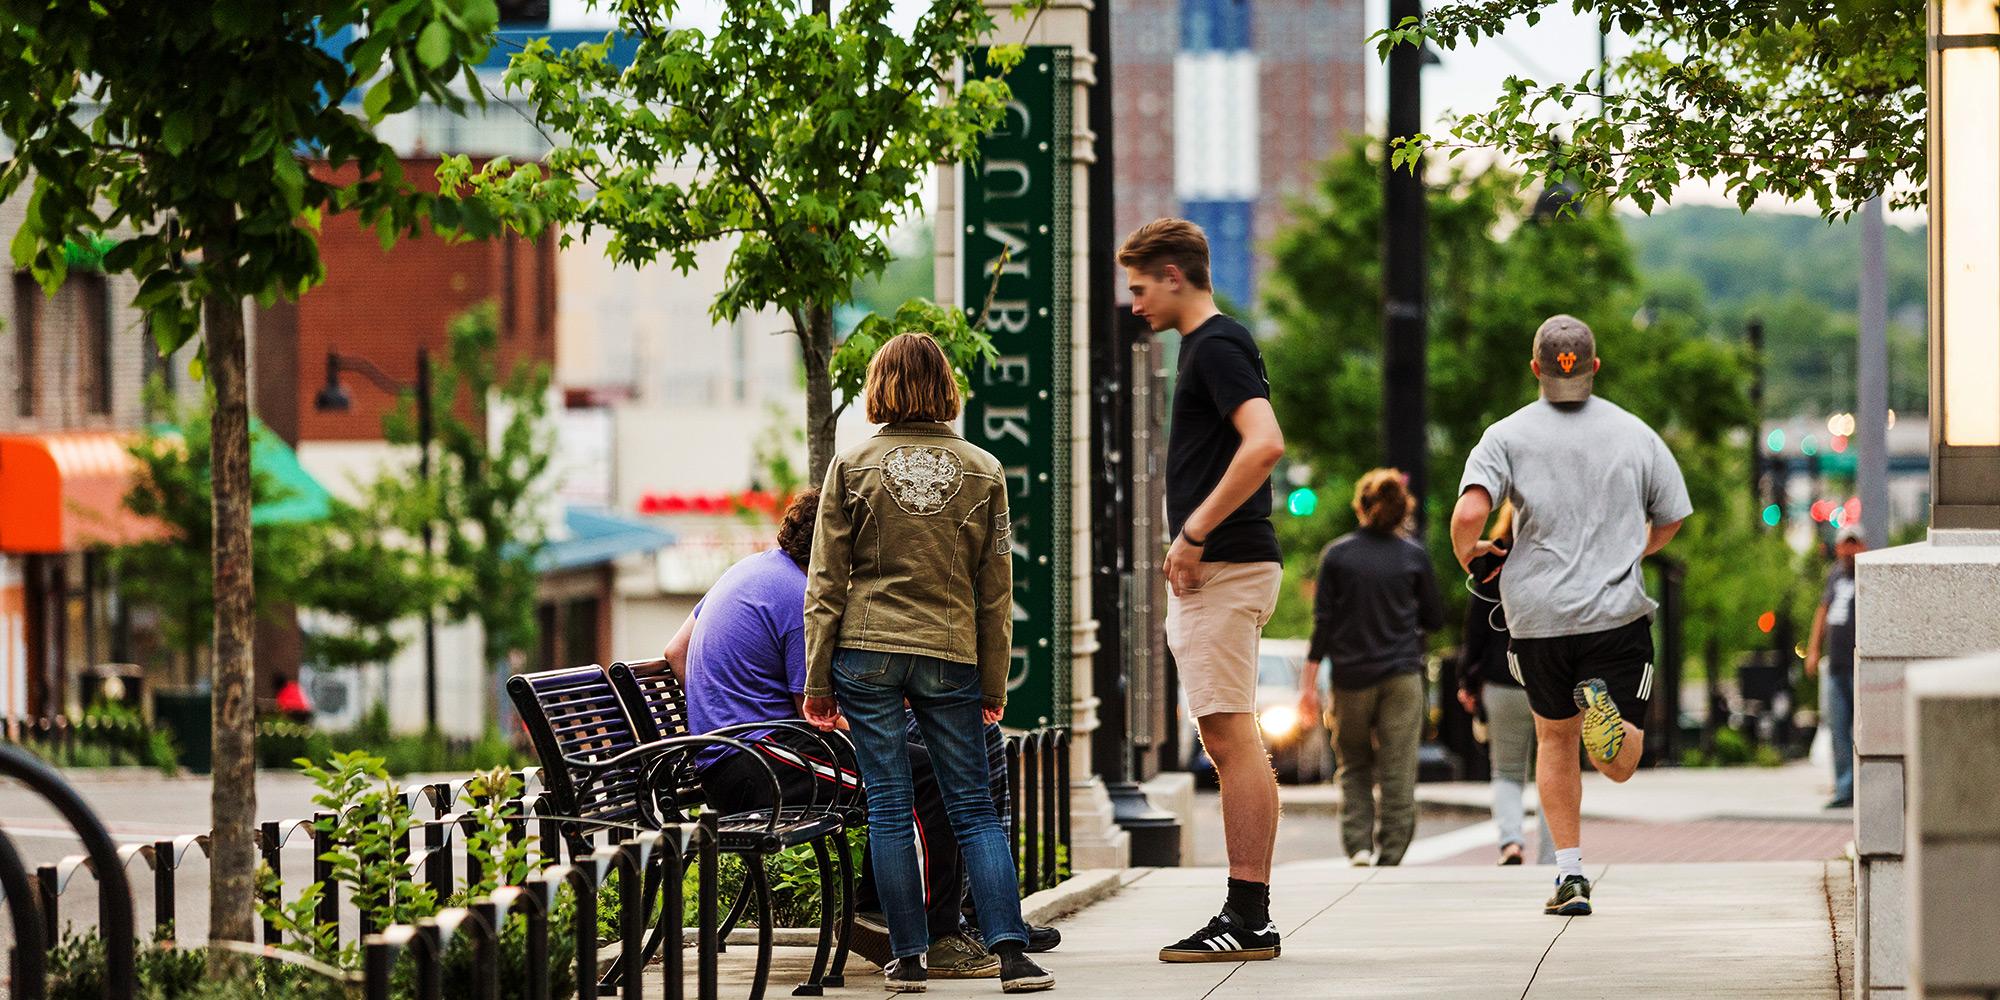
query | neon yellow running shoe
[1603, 726]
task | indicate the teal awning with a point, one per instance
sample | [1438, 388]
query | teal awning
[304, 500]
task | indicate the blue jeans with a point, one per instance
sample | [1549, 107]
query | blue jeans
[945, 697]
[1840, 723]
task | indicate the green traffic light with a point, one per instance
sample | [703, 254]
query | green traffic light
[1302, 502]
[1776, 440]
[1772, 515]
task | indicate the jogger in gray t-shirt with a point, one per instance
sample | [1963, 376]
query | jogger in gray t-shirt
[1595, 491]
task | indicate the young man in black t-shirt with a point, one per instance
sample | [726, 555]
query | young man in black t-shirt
[1224, 568]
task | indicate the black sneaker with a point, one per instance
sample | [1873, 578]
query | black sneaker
[1043, 938]
[1020, 974]
[1225, 939]
[1572, 898]
[906, 975]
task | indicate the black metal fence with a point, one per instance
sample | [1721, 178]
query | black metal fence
[1038, 806]
[437, 852]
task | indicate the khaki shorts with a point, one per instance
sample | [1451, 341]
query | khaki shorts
[1213, 632]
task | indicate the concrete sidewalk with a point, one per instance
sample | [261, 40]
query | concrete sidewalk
[1457, 933]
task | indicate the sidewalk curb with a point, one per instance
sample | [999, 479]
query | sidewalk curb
[1084, 888]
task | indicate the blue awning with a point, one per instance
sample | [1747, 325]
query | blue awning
[597, 537]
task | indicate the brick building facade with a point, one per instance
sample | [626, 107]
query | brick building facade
[1224, 110]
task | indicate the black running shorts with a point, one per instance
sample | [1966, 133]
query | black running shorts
[1551, 668]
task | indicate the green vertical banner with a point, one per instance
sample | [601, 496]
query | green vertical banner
[1015, 205]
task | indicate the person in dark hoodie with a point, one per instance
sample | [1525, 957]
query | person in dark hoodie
[1487, 689]
[1376, 598]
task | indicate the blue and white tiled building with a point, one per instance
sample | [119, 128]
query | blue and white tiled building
[1225, 109]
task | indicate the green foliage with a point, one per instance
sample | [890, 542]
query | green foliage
[280, 743]
[801, 134]
[352, 566]
[76, 968]
[1810, 100]
[1722, 269]
[486, 495]
[109, 735]
[176, 574]
[368, 823]
[1496, 273]
[1732, 749]
[964, 345]
[910, 274]
[196, 116]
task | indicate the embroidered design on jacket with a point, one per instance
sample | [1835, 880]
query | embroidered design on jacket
[921, 479]
[1003, 533]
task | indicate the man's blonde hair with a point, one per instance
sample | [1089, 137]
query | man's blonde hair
[1156, 244]
[911, 379]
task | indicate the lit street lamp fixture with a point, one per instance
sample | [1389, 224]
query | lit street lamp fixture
[332, 398]
[1964, 164]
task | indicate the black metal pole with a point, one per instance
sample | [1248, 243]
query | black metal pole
[1755, 334]
[424, 474]
[1109, 745]
[1404, 399]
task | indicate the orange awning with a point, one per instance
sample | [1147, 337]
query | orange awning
[66, 492]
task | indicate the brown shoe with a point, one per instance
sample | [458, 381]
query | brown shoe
[960, 957]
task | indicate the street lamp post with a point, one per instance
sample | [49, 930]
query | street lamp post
[332, 398]
[1964, 164]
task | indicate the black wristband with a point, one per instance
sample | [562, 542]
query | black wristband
[1190, 539]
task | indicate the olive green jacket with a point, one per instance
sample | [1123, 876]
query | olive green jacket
[913, 553]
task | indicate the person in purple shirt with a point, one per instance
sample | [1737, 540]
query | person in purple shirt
[741, 658]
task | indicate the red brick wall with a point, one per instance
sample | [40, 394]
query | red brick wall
[383, 304]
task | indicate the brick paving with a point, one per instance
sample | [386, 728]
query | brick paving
[1615, 841]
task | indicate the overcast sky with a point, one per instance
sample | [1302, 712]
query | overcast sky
[1562, 47]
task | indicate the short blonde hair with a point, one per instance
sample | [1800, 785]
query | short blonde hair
[1156, 244]
[911, 379]
[1382, 499]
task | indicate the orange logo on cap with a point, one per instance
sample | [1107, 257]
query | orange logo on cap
[1567, 360]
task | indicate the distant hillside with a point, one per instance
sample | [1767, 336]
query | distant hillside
[1801, 276]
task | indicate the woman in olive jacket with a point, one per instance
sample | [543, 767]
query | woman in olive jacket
[907, 601]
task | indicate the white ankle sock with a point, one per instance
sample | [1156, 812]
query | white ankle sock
[1569, 861]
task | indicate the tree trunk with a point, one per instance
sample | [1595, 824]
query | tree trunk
[233, 792]
[816, 346]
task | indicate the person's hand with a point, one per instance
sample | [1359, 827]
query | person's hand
[1812, 663]
[823, 713]
[1481, 548]
[1183, 566]
[1469, 700]
[991, 715]
[1309, 702]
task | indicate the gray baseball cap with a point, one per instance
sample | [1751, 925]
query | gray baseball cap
[1567, 352]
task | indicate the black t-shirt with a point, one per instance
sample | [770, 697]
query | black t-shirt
[1220, 369]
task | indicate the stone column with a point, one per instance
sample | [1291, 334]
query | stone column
[1952, 721]
[1930, 601]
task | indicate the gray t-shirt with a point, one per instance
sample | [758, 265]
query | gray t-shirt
[1586, 480]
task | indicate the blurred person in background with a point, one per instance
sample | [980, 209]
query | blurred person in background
[1833, 638]
[1488, 690]
[1375, 599]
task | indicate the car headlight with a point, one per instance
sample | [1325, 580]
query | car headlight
[1279, 720]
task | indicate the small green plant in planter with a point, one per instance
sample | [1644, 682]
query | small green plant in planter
[367, 823]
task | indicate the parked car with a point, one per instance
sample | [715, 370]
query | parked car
[1301, 748]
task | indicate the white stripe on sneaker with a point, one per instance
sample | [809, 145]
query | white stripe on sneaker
[1229, 942]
